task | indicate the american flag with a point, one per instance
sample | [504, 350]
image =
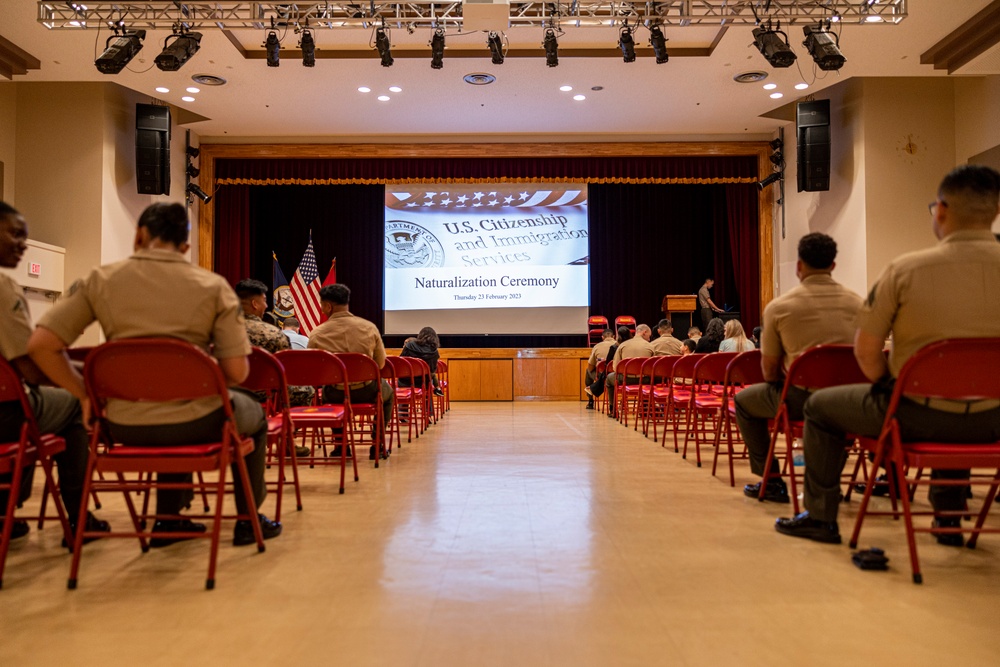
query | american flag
[305, 291]
[471, 197]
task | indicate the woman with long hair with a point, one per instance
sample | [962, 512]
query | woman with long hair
[736, 339]
[424, 346]
[715, 333]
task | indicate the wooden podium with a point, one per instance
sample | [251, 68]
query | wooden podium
[679, 303]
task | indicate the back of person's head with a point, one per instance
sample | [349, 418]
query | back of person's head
[693, 331]
[6, 210]
[972, 193]
[756, 333]
[664, 326]
[734, 329]
[715, 330]
[608, 333]
[624, 333]
[291, 323]
[249, 288]
[643, 328]
[690, 345]
[817, 250]
[167, 222]
[337, 293]
[427, 336]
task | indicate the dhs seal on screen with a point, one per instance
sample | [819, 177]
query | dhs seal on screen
[410, 246]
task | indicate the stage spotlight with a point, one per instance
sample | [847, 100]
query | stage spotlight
[383, 46]
[273, 47]
[659, 44]
[193, 189]
[496, 48]
[193, 152]
[627, 45]
[551, 47]
[119, 51]
[179, 51]
[773, 178]
[824, 47]
[437, 49]
[773, 48]
[775, 144]
[192, 171]
[308, 46]
[777, 159]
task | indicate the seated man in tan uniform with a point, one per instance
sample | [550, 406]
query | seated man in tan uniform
[633, 347]
[819, 311]
[598, 353]
[951, 290]
[666, 344]
[56, 410]
[343, 332]
[157, 292]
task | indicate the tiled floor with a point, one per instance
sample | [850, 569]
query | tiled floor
[513, 534]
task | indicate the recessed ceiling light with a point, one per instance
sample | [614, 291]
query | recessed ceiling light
[162, 89]
[395, 89]
[383, 98]
[188, 98]
[208, 80]
[776, 96]
[193, 90]
[565, 89]
[596, 88]
[479, 78]
[801, 86]
[579, 98]
[770, 86]
[364, 89]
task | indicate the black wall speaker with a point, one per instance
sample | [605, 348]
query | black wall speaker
[812, 124]
[152, 149]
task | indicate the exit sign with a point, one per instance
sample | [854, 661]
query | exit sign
[34, 269]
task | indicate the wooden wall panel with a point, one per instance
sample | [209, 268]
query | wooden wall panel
[464, 379]
[495, 380]
[562, 381]
[530, 377]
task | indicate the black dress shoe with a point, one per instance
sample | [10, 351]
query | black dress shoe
[19, 529]
[92, 525]
[174, 526]
[300, 451]
[805, 526]
[880, 489]
[590, 406]
[948, 539]
[335, 452]
[776, 491]
[371, 453]
[243, 534]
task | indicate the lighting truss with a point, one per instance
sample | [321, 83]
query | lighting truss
[434, 13]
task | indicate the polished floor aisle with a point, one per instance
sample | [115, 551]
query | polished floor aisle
[513, 534]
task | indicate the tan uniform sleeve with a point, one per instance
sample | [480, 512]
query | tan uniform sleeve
[15, 330]
[770, 336]
[229, 333]
[878, 311]
[73, 312]
[378, 349]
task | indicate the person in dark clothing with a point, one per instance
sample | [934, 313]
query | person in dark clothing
[424, 346]
[715, 333]
[597, 388]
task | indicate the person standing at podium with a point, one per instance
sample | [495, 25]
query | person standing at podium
[705, 303]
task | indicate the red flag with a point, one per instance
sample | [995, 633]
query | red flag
[331, 277]
[305, 291]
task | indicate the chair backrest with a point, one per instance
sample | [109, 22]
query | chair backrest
[744, 369]
[825, 366]
[959, 369]
[442, 367]
[267, 375]
[595, 321]
[625, 321]
[12, 389]
[713, 367]
[420, 368]
[78, 353]
[663, 368]
[631, 367]
[313, 368]
[400, 367]
[684, 368]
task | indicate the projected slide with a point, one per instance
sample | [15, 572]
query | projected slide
[499, 258]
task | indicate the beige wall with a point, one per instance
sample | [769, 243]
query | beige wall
[8, 122]
[977, 107]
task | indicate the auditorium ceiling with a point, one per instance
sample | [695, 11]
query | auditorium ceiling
[691, 96]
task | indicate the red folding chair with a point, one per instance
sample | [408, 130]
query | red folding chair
[442, 403]
[625, 321]
[388, 373]
[596, 324]
[743, 371]
[705, 401]
[159, 370]
[816, 368]
[318, 368]
[366, 417]
[17, 456]
[268, 375]
[679, 399]
[423, 391]
[660, 374]
[405, 395]
[958, 370]
[627, 388]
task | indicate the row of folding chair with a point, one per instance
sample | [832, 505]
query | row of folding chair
[596, 324]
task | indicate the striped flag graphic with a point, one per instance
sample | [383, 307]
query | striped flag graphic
[305, 291]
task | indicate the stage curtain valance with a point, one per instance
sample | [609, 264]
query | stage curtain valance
[603, 169]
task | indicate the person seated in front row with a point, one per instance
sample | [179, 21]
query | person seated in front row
[666, 344]
[424, 346]
[736, 340]
[694, 333]
[630, 349]
[597, 354]
[157, 292]
[597, 388]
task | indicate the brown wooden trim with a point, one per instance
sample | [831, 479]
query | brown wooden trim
[967, 42]
[765, 235]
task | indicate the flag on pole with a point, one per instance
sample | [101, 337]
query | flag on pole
[331, 277]
[284, 306]
[305, 291]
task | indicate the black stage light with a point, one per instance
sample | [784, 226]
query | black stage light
[776, 176]
[119, 51]
[273, 48]
[179, 51]
[551, 47]
[775, 144]
[627, 45]
[193, 189]
[192, 171]
[777, 159]
[437, 49]
[659, 44]
[193, 152]
[496, 48]
[383, 46]
[824, 47]
[308, 46]
[773, 47]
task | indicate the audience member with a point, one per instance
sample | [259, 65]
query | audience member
[290, 327]
[424, 346]
[666, 344]
[694, 333]
[597, 388]
[735, 340]
[56, 410]
[715, 333]
[755, 337]
[344, 332]
[598, 353]
[921, 297]
[818, 311]
[689, 347]
[630, 349]
[157, 292]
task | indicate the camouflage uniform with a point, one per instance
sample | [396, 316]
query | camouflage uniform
[270, 338]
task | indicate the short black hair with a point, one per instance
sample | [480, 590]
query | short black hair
[756, 332]
[167, 222]
[291, 322]
[337, 294]
[665, 324]
[248, 287]
[978, 184]
[608, 333]
[689, 344]
[818, 250]
[6, 209]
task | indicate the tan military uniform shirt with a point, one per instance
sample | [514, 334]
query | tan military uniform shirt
[344, 332]
[818, 311]
[949, 291]
[154, 293]
[15, 328]
[703, 297]
[600, 351]
[633, 347]
[666, 346]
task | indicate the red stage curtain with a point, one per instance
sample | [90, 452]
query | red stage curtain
[233, 232]
[744, 246]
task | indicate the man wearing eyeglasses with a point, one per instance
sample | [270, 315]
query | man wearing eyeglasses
[921, 297]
